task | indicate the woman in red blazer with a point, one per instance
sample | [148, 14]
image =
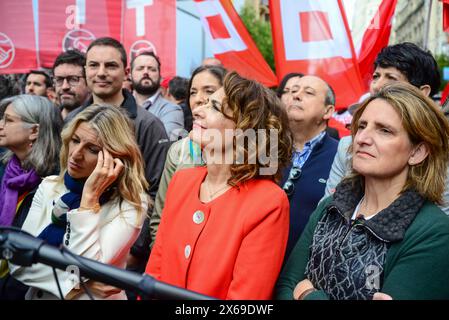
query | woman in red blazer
[224, 227]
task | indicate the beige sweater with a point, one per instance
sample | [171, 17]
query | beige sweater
[178, 157]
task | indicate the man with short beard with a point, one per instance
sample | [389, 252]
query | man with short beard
[38, 83]
[70, 81]
[146, 80]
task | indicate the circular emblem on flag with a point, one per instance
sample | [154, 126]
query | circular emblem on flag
[7, 51]
[141, 46]
[78, 39]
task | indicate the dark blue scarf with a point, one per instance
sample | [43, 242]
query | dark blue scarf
[54, 232]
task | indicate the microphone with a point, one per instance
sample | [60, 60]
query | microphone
[21, 248]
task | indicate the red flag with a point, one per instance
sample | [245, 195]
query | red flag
[231, 43]
[17, 41]
[339, 126]
[68, 24]
[151, 26]
[375, 38]
[313, 37]
[445, 15]
[445, 94]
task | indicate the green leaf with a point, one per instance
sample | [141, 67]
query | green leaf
[260, 31]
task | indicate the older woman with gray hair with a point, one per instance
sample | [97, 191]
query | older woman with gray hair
[30, 128]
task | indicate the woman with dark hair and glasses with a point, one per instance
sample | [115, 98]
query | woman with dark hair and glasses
[309, 102]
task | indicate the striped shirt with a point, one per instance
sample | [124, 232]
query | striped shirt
[300, 157]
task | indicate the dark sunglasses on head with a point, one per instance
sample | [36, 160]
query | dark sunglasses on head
[289, 185]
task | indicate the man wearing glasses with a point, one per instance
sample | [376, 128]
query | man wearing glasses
[70, 81]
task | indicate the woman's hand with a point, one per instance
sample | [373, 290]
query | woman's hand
[97, 288]
[381, 296]
[104, 174]
[301, 287]
[102, 290]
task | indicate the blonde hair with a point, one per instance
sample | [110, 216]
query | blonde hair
[115, 134]
[425, 123]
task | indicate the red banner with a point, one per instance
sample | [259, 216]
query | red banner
[17, 37]
[231, 43]
[151, 26]
[313, 37]
[445, 15]
[74, 24]
[375, 38]
[445, 95]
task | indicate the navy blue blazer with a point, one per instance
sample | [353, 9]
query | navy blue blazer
[309, 188]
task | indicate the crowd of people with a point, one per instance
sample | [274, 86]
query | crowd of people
[219, 185]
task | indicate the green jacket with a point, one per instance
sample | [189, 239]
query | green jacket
[417, 267]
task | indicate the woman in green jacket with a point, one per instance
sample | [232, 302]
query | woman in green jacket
[381, 236]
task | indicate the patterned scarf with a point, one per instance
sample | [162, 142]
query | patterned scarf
[54, 232]
[16, 181]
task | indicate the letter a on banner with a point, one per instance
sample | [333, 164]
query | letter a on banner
[312, 37]
[231, 42]
[150, 25]
[17, 41]
[74, 24]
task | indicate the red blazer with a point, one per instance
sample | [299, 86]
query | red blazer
[229, 248]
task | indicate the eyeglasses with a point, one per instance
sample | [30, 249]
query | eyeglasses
[8, 120]
[71, 80]
[289, 185]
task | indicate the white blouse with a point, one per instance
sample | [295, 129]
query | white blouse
[106, 236]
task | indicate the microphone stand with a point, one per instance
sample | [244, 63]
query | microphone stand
[23, 249]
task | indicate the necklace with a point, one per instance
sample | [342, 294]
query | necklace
[362, 210]
[212, 194]
[357, 214]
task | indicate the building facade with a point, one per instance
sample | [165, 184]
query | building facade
[363, 13]
[410, 24]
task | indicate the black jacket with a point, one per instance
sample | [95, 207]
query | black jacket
[309, 187]
[10, 288]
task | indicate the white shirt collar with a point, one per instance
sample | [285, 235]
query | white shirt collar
[153, 97]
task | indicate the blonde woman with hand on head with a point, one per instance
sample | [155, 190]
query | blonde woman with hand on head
[95, 207]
